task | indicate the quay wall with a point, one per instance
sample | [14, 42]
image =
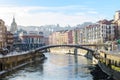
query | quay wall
[9, 63]
[110, 58]
[109, 63]
[112, 73]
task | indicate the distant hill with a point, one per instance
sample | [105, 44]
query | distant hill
[84, 24]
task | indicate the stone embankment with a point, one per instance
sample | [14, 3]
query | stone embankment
[109, 62]
[12, 62]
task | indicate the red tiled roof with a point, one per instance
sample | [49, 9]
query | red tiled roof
[104, 22]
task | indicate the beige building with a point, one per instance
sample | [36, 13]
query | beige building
[54, 38]
[61, 37]
[3, 31]
[117, 24]
[117, 15]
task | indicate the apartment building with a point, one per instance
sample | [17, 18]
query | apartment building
[31, 39]
[100, 32]
[107, 29]
[3, 31]
[61, 37]
[10, 40]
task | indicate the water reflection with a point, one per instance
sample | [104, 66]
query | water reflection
[76, 65]
[56, 67]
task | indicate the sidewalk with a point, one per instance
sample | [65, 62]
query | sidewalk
[14, 53]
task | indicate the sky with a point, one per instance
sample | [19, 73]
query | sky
[63, 12]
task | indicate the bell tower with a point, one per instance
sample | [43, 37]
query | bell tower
[13, 28]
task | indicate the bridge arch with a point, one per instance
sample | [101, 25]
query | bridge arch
[75, 46]
[89, 54]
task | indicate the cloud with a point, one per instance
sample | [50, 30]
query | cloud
[93, 12]
[37, 15]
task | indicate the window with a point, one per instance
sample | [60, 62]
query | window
[107, 26]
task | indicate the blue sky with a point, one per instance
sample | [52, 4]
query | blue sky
[63, 12]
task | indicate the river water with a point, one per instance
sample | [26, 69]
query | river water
[55, 67]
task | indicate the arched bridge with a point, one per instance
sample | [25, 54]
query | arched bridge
[90, 52]
[66, 45]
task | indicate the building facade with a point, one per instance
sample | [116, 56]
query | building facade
[117, 24]
[3, 31]
[10, 40]
[31, 40]
[46, 40]
[70, 37]
[117, 15]
[77, 36]
[61, 37]
[100, 32]
[54, 38]
[97, 33]
[107, 29]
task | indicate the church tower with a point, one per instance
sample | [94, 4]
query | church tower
[13, 28]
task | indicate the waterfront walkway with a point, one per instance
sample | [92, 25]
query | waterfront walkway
[14, 53]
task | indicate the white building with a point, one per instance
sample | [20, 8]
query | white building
[107, 29]
[99, 33]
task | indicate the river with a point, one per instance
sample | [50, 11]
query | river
[55, 67]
